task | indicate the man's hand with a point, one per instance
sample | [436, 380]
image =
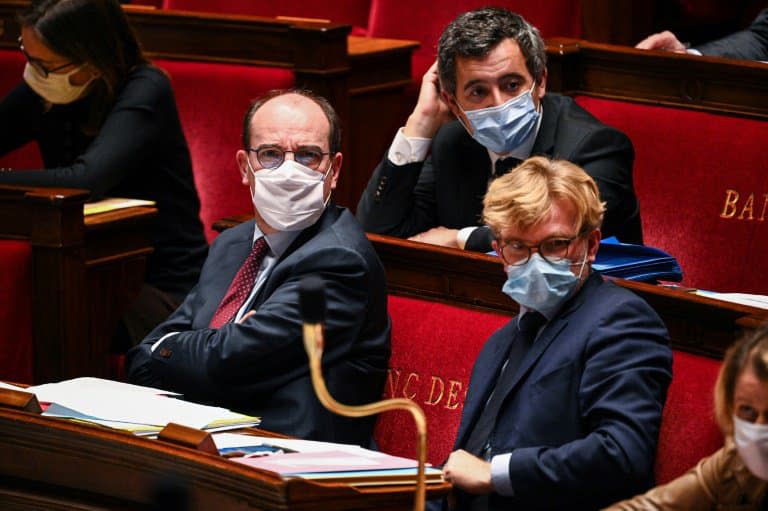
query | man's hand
[470, 473]
[666, 41]
[438, 236]
[431, 110]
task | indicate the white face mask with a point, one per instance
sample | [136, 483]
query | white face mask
[55, 88]
[752, 444]
[289, 197]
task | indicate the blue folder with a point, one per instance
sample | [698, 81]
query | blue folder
[636, 262]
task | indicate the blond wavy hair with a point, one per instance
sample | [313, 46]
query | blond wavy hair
[751, 352]
[524, 196]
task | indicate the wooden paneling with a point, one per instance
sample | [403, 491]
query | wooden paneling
[86, 271]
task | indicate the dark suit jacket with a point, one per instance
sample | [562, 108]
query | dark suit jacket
[259, 367]
[582, 417]
[448, 188]
[749, 44]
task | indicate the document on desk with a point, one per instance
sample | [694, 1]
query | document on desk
[759, 301]
[142, 410]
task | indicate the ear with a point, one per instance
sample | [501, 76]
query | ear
[593, 243]
[337, 159]
[241, 157]
[456, 110]
[541, 88]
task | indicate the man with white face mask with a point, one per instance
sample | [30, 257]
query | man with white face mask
[564, 404]
[491, 77]
[236, 341]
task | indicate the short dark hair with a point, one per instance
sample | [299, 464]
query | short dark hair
[475, 33]
[95, 32]
[334, 126]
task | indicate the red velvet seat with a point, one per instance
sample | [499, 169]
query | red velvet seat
[688, 428]
[702, 188]
[434, 347]
[212, 99]
[352, 12]
[16, 311]
[424, 21]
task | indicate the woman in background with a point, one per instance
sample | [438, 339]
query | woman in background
[736, 476]
[105, 120]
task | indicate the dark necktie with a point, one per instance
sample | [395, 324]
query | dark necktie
[528, 326]
[241, 285]
[504, 165]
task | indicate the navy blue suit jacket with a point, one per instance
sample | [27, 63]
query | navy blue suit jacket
[447, 189]
[749, 44]
[582, 418]
[259, 367]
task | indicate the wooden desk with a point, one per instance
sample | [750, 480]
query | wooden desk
[86, 270]
[57, 464]
[696, 324]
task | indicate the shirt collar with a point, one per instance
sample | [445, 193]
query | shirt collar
[278, 242]
[524, 150]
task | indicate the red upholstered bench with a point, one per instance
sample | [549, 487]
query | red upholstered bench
[352, 12]
[702, 188]
[212, 99]
[434, 346]
[16, 311]
[688, 428]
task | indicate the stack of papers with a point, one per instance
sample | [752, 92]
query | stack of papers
[636, 262]
[140, 410]
[323, 461]
[105, 205]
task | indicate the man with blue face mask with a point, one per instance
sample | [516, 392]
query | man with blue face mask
[482, 108]
[237, 340]
[564, 404]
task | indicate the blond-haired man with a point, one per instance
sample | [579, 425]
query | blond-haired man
[565, 401]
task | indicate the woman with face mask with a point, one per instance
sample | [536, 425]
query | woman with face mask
[105, 120]
[736, 476]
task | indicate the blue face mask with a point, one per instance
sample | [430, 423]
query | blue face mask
[541, 285]
[505, 127]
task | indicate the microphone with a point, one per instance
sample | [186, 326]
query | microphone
[312, 306]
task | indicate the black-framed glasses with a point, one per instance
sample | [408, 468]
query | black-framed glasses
[516, 253]
[37, 65]
[271, 156]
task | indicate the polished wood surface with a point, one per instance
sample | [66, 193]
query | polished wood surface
[696, 324]
[57, 464]
[86, 271]
[711, 84]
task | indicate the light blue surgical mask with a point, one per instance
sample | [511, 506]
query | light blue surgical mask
[505, 127]
[541, 285]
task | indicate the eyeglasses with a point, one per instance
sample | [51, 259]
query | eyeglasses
[270, 156]
[516, 253]
[37, 65]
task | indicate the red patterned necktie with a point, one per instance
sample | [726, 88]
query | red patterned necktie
[241, 285]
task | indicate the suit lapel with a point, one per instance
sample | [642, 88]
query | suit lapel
[234, 255]
[545, 140]
[483, 383]
[552, 330]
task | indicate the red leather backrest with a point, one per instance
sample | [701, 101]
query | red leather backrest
[425, 20]
[16, 311]
[352, 12]
[703, 189]
[688, 428]
[212, 100]
[434, 347]
[11, 68]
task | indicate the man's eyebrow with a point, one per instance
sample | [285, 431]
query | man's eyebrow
[508, 76]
